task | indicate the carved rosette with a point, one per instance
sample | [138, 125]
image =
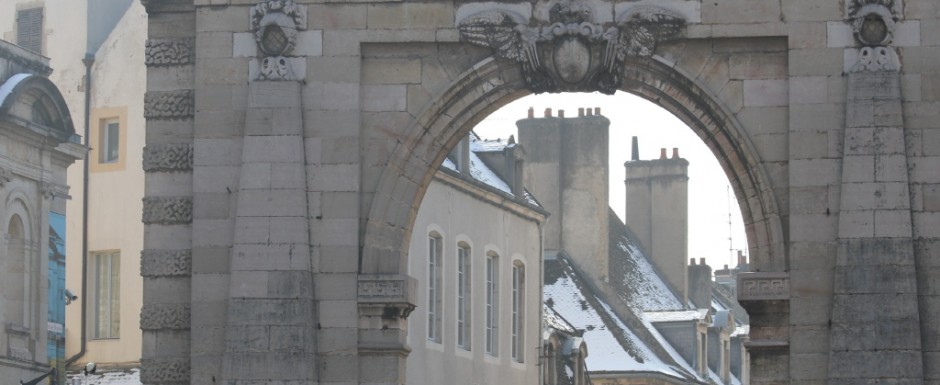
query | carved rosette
[570, 52]
[162, 52]
[178, 104]
[873, 25]
[173, 316]
[164, 370]
[166, 263]
[168, 157]
[275, 24]
[168, 210]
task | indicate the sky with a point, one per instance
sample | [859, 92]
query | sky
[709, 195]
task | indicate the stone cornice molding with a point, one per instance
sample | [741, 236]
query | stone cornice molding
[760, 286]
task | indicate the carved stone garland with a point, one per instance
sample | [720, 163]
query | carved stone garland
[275, 24]
[873, 24]
[570, 52]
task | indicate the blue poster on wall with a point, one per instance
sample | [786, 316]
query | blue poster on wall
[56, 322]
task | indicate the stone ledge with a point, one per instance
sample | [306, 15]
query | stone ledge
[388, 295]
[763, 286]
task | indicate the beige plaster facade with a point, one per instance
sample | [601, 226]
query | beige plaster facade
[116, 81]
[829, 138]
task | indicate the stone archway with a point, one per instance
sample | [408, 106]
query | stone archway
[492, 83]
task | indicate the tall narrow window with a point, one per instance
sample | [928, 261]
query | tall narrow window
[518, 312]
[464, 299]
[107, 294]
[434, 287]
[110, 141]
[492, 304]
[29, 29]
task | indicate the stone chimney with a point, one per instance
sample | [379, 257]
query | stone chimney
[514, 156]
[657, 213]
[700, 284]
[462, 155]
[566, 168]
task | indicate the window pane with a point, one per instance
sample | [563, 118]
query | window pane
[107, 295]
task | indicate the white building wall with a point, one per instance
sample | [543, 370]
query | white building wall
[458, 216]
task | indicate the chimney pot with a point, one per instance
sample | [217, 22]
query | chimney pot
[726, 267]
[597, 111]
[692, 261]
[701, 261]
[548, 112]
[662, 153]
[675, 153]
[589, 112]
[635, 149]
[531, 112]
[561, 113]
[581, 111]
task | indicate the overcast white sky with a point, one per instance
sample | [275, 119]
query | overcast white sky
[656, 128]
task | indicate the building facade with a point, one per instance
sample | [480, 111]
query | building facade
[97, 49]
[37, 144]
[479, 279]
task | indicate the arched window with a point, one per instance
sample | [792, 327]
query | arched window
[518, 311]
[435, 306]
[14, 286]
[492, 303]
[464, 299]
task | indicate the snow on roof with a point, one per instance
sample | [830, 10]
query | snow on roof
[741, 330]
[641, 287]
[555, 320]
[612, 347]
[487, 145]
[479, 170]
[130, 377]
[676, 315]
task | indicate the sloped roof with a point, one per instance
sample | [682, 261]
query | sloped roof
[481, 172]
[612, 345]
[636, 279]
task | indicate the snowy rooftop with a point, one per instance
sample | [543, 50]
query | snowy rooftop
[483, 173]
[677, 315]
[640, 285]
[130, 377]
[612, 345]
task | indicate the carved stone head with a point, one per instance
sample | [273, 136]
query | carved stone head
[570, 12]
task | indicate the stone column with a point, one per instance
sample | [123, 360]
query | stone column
[166, 258]
[875, 324]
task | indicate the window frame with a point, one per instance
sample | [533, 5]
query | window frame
[34, 39]
[106, 153]
[112, 299]
[434, 292]
[491, 288]
[518, 312]
[464, 293]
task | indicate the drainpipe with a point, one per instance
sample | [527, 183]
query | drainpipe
[89, 61]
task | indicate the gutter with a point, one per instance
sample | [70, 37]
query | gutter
[89, 61]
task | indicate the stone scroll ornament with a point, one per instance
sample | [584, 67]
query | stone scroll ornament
[873, 24]
[571, 52]
[275, 24]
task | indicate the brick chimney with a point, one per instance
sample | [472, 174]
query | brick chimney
[700, 287]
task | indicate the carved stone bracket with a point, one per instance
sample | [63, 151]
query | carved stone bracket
[389, 296]
[570, 52]
[763, 286]
[169, 104]
[5, 176]
[161, 52]
[165, 263]
[51, 190]
[173, 316]
[168, 210]
[871, 59]
[164, 370]
[168, 157]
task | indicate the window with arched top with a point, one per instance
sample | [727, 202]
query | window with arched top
[435, 294]
[13, 287]
[518, 311]
[464, 299]
[492, 303]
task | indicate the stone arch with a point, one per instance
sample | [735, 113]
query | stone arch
[35, 99]
[491, 84]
